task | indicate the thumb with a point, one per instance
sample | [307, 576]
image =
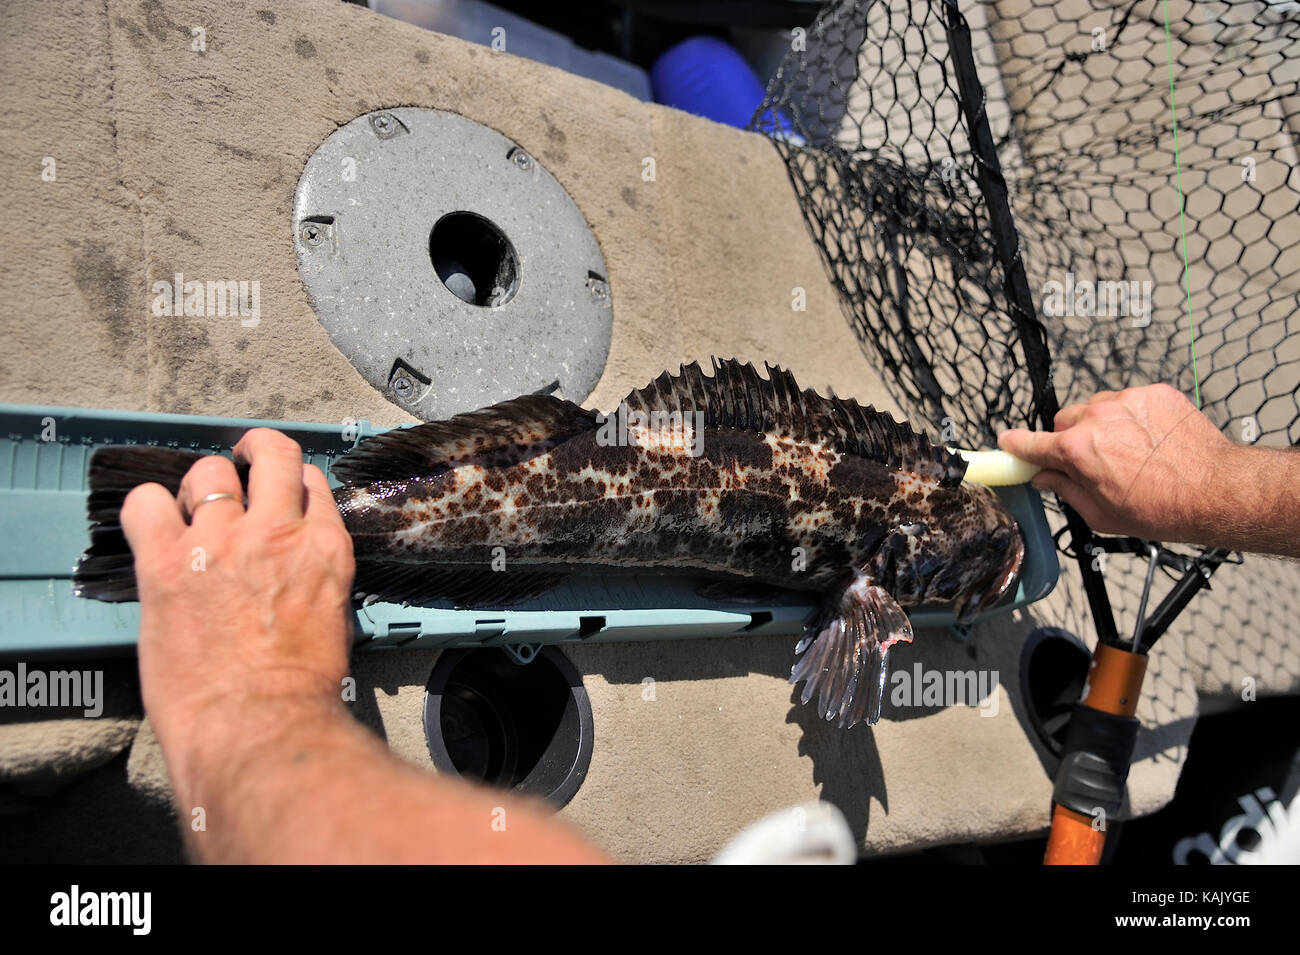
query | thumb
[1037, 447]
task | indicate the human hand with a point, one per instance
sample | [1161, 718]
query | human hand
[239, 608]
[1142, 461]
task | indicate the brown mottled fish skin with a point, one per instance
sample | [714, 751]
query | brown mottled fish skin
[789, 488]
[741, 509]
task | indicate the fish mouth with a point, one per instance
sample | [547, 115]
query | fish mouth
[1002, 583]
[1012, 574]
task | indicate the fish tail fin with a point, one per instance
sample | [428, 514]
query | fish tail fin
[845, 653]
[106, 570]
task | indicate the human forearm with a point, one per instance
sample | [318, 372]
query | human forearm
[300, 781]
[245, 630]
[1252, 503]
[1146, 462]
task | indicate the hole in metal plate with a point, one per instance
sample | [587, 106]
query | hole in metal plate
[474, 259]
[448, 265]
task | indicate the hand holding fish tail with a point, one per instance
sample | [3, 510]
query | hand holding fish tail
[244, 639]
[238, 606]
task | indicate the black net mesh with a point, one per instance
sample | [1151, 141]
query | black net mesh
[1076, 95]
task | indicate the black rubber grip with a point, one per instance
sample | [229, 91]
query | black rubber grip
[1094, 769]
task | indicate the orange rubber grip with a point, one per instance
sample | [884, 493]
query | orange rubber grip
[1115, 680]
[1114, 686]
[1073, 840]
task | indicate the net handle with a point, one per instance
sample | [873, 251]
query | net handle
[1032, 334]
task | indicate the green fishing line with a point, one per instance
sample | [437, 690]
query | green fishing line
[1182, 204]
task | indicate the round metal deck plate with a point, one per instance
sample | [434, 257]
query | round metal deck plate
[450, 268]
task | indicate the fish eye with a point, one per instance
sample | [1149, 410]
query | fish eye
[913, 529]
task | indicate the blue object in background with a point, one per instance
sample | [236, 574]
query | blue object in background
[708, 77]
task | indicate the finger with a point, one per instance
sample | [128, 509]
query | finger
[320, 505]
[1049, 481]
[1060, 484]
[213, 474]
[150, 519]
[1068, 417]
[1103, 396]
[1037, 447]
[275, 486]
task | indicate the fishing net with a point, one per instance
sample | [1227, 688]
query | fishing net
[1022, 202]
[995, 193]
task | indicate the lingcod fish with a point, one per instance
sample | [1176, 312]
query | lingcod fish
[730, 477]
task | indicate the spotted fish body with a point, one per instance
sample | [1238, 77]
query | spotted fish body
[752, 506]
[788, 489]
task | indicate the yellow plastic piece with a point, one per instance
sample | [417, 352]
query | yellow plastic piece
[996, 468]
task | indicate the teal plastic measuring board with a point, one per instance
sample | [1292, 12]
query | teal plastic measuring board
[44, 454]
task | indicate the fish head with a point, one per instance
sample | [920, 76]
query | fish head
[965, 550]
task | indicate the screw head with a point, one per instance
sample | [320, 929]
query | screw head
[312, 233]
[599, 290]
[403, 386]
[384, 125]
[521, 159]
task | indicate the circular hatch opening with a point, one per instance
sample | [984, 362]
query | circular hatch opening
[526, 728]
[1053, 669]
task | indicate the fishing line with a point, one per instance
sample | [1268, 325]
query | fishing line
[1182, 203]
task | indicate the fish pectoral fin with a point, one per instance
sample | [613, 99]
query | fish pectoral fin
[414, 583]
[845, 652]
[520, 423]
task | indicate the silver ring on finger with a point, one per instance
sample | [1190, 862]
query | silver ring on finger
[209, 498]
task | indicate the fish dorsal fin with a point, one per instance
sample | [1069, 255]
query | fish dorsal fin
[503, 433]
[737, 397]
